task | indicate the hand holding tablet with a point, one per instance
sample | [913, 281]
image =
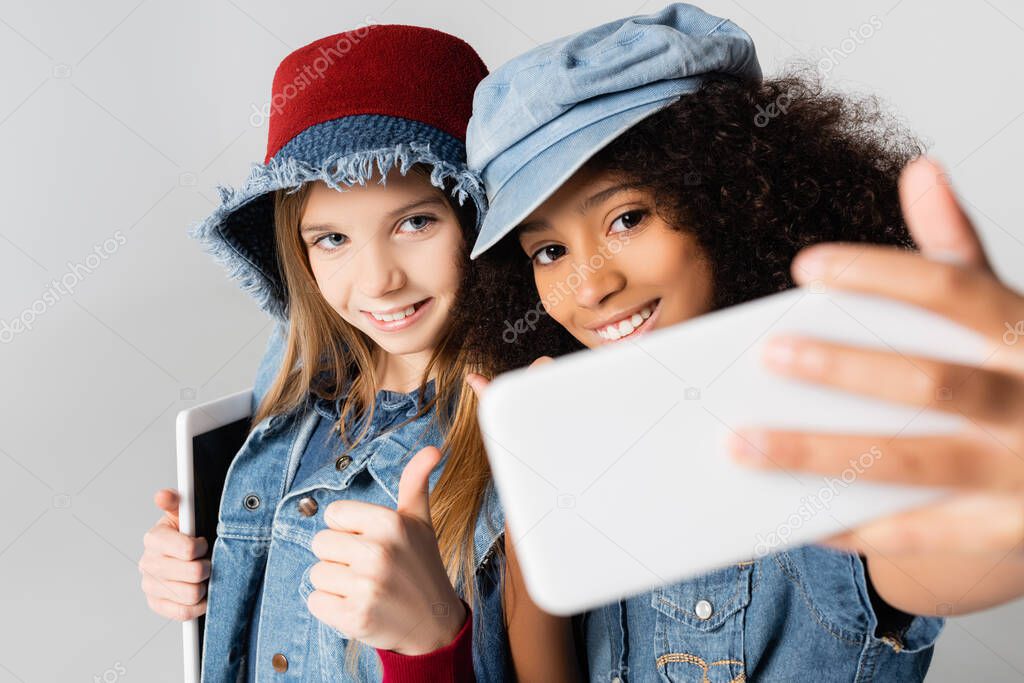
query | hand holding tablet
[208, 437]
[173, 567]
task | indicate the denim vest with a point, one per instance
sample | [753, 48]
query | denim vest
[803, 614]
[265, 529]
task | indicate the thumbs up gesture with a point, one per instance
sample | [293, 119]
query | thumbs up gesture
[380, 578]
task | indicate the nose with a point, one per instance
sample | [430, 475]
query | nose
[600, 280]
[380, 273]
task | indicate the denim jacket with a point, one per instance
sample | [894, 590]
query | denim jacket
[265, 527]
[803, 614]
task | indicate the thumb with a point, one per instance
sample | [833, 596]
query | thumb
[167, 500]
[934, 216]
[414, 486]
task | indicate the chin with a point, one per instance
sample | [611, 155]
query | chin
[396, 346]
[411, 342]
[586, 341]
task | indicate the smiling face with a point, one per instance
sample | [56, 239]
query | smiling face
[386, 258]
[607, 267]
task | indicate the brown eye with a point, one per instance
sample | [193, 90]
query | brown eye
[548, 254]
[628, 220]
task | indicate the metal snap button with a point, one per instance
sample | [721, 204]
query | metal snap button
[280, 663]
[307, 507]
[703, 610]
[342, 462]
[251, 502]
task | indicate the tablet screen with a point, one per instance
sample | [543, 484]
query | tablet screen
[212, 453]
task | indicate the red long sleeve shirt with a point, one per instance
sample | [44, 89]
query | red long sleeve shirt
[452, 663]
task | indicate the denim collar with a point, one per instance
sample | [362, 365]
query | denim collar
[392, 453]
[385, 400]
[385, 452]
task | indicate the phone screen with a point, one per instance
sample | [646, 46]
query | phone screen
[212, 453]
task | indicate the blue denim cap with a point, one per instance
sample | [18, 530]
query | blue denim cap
[539, 117]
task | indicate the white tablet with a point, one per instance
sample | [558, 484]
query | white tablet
[612, 467]
[208, 437]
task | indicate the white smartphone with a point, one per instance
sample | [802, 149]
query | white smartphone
[612, 467]
[208, 437]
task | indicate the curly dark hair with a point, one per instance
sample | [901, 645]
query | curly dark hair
[754, 170]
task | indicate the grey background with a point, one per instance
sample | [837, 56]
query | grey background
[116, 121]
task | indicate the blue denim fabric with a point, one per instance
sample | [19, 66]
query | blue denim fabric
[799, 615]
[272, 540]
[539, 116]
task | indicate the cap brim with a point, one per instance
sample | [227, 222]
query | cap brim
[541, 176]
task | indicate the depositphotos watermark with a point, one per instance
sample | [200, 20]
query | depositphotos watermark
[59, 288]
[821, 500]
[833, 56]
[111, 675]
[1013, 332]
[565, 288]
[309, 72]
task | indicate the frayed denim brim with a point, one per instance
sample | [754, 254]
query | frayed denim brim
[239, 233]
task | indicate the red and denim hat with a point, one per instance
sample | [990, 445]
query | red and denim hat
[342, 108]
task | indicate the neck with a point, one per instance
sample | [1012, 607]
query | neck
[403, 373]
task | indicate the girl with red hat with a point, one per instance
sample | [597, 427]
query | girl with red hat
[353, 234]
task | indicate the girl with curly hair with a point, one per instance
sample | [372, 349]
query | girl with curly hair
[654, 142]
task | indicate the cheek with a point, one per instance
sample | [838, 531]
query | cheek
[330, 280]
[450, 276]
[674, 266]
[555, 301]
[435, 267]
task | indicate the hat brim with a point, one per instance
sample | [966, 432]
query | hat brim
[539, 178]
[239, 233]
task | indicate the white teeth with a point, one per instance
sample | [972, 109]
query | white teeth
[626, 326]
[399, 315]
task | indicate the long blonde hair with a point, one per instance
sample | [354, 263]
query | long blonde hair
[321, 342]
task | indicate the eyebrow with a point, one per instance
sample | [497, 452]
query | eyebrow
[423, 201]
[601, 196]
[532, 226]
[582, 207]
